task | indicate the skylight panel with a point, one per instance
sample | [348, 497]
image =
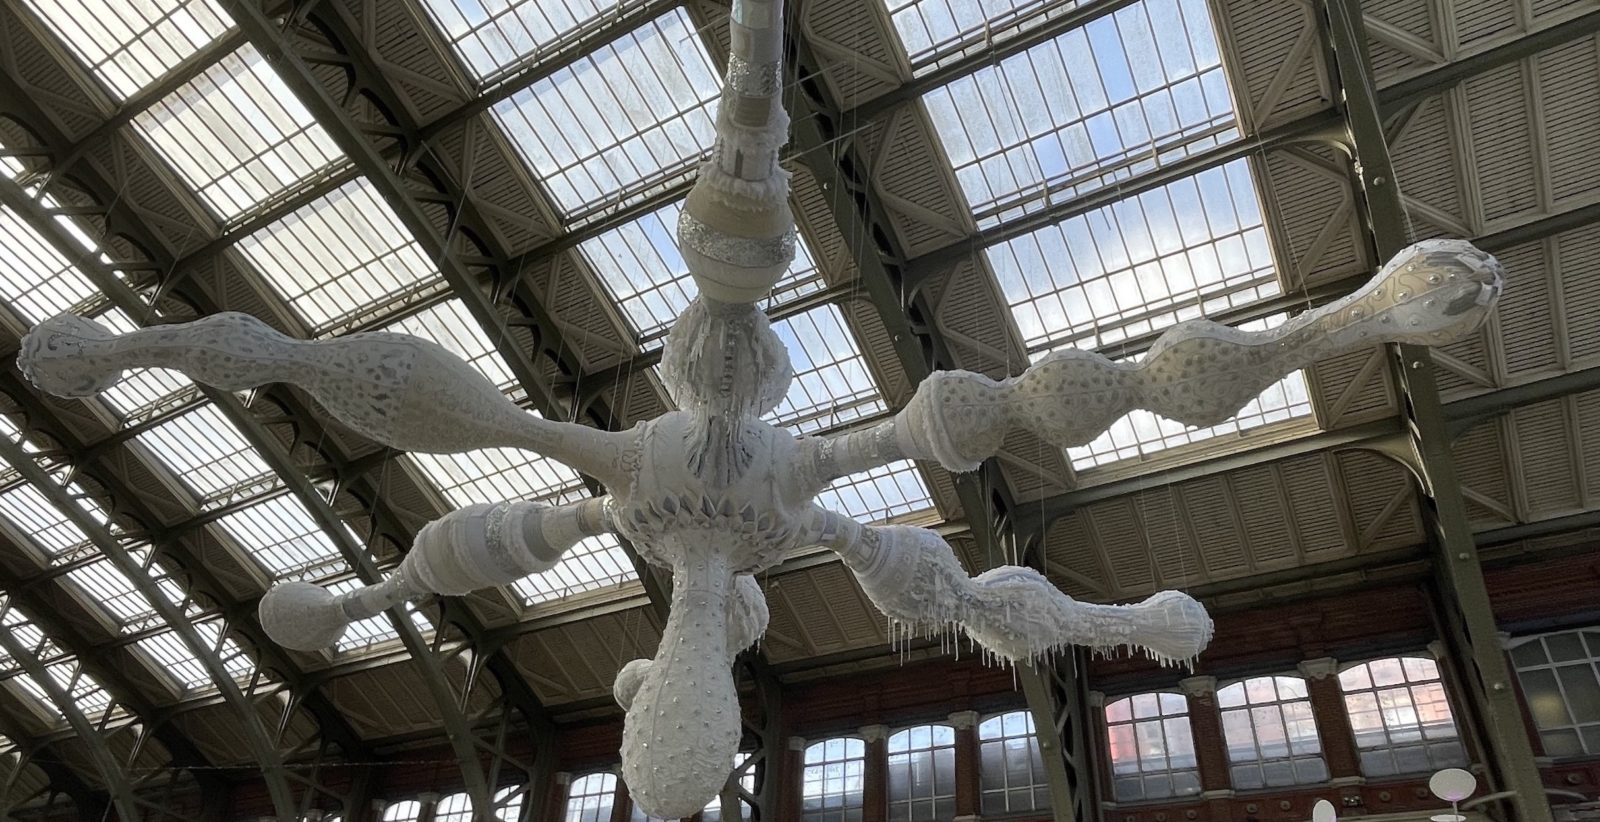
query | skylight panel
[205, 452]
[878, 494]
[1142, 434]
[450, 325]
[62, 669]
[130, 45]
[281, 537]
[932, 30]
[498, 474]
[115, 594]
[344, 255]
[595, 563]
[831, 383]
[32, 516]
[621, 121]
[35, 280]
[1095, 105]
[171, 655]
[1190, 248]
[237, 135]
[492, 35]
[641, 268]
[373, 630]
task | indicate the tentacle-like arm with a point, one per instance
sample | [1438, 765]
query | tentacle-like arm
[403, 391]
[914, 578]
[1197, 373]
[475, 547]
[736, 231]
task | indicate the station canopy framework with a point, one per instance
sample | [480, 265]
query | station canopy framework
[977, 184]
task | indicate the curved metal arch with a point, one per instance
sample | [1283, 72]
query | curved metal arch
[117, 781]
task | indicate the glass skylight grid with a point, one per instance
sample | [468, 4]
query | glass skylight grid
[374, 630]
[878, 494]
[493, 35]
[934, 30]
[205, 452]
[450, 325]
[130, 45]
[35, 280]
[1143, 434]
[1096, 104]
[34, 517]
[237, 135]
[86, 693]
[346, 254]
[1188, 249]
[621, 121]
[172, 655]
[142, 391]
[282, 537]
[641, 268]
[831, 383]
[116, 594]
[595, 563]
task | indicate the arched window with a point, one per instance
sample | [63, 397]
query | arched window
[747, 780]
[456, 807]
[1272, 737]
[407, 811]
[1010, 768]
[1401, 719]
[1560, 675]
[832, 782]
[589, 799]
[922, 774]
[1152, 749]
[508, 802]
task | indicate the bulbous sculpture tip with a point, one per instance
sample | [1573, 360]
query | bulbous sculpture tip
[302, 616]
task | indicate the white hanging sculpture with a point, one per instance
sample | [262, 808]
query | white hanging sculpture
[715, 494]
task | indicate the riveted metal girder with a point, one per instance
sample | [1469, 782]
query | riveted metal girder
[1470, 629]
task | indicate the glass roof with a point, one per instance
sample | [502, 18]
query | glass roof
[375, 630]
[1141, 434]
[641, 268]
[42, 524]
[170, 655]
[1188, 249]
[879, 494]
[342, 256]
[619, 122]
[114, 593]
[35, 280]
[281, 537]
[934, 30]
[130, 45]
[1040, 127]
[831, 383]
[86, 693]
[492, 35]
[206, 453]
[237, 135]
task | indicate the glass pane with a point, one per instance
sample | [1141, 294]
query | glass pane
[130, 45]
[618, 123]
[831, 384]
[878, 494]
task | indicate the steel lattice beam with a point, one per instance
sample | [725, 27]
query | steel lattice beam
[1470, 628]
